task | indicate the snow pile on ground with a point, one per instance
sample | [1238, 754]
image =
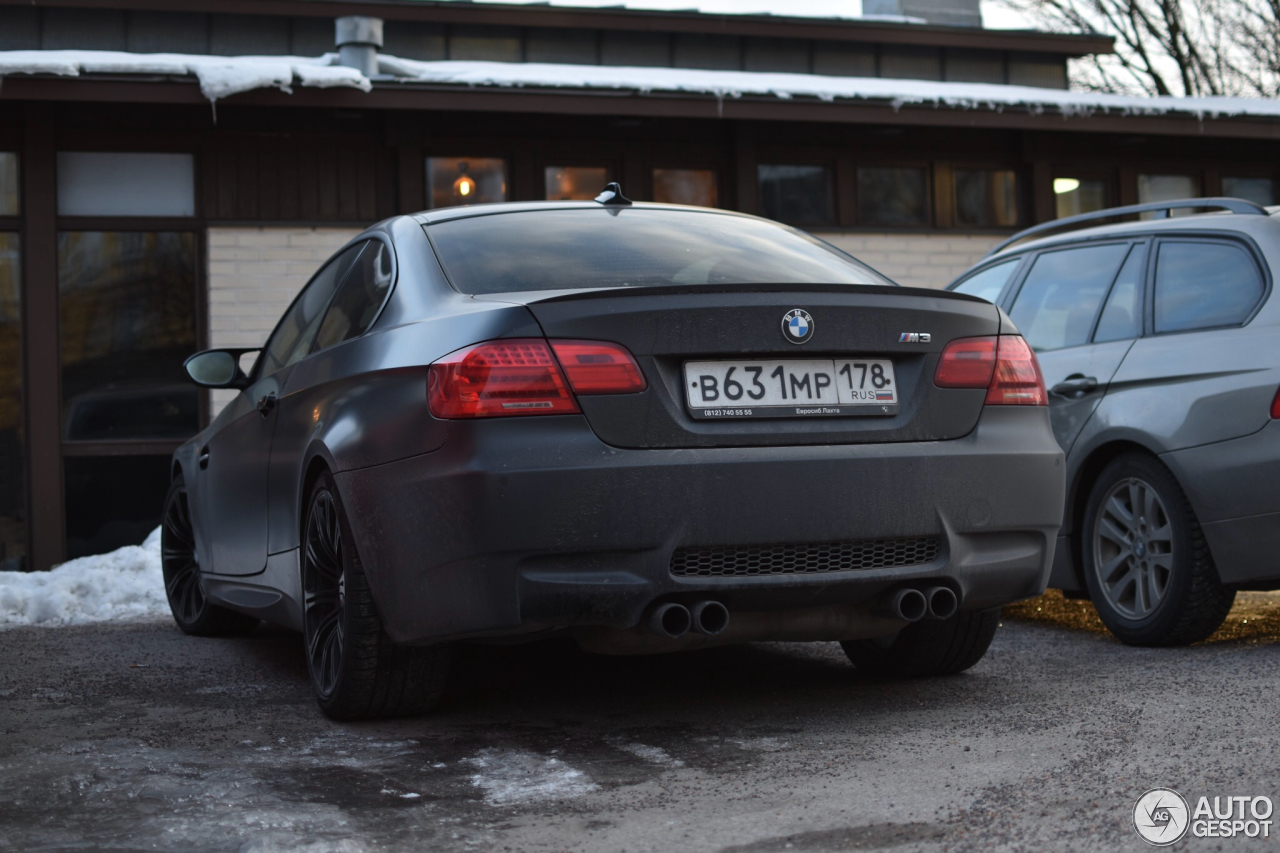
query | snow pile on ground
[125, 585]
[508, 777]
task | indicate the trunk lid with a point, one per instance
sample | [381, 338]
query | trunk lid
[666, 327]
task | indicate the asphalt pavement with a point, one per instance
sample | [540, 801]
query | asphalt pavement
[136, 737]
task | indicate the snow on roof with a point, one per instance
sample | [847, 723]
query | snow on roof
[221, 76]
[737, 84]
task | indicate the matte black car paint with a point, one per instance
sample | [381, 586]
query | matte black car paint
[523, 525]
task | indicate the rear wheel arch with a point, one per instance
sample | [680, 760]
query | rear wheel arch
[316, 467]
[1082, 485]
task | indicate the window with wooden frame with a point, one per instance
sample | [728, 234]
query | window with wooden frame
[466, 180]
[893, 196]
[1078, 191]
[987, 198]
[797, 193]
[686, 186]
[130, 310]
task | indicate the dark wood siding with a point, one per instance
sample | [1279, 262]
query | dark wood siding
[299, 178]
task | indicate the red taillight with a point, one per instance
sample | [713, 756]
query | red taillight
[966, 363]
[1004, 365]
[511, 377]
[1275, 407]
[596, 367]
[1017, 381]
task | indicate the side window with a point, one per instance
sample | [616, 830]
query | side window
[1062, 293]
[989, 283]
[1200, 285]
[359, 297]
[1122, 317]
[297, 329]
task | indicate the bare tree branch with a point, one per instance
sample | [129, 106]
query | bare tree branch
[1171, 47]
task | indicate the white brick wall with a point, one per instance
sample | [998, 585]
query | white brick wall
[254, 273]
[918, 260]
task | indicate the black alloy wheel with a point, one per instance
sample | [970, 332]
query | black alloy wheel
[324, 594]
[1145, 559]
[180, 566]
[928, 648]
[356, 671]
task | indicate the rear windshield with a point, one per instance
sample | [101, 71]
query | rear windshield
[635, 247]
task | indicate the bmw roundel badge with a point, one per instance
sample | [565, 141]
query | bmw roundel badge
[797, 326]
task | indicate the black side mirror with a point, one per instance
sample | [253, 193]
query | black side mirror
[217, 368]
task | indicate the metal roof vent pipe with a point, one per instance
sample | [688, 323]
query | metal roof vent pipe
[358, 39]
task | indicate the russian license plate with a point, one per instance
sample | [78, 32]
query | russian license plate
[791, 388]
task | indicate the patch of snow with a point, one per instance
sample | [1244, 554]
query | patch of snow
[510, 777]
[651, 754]
[124, 585]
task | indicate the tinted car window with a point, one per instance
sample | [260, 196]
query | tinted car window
[1200, 285]
[1122, 316]
[638, 247]
[297, 329]
[359, 297]
[1062, 294]
[989, 283]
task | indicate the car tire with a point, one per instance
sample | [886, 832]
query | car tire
[356, 671]
[927, 648]
[194, 613]
[1149, 573]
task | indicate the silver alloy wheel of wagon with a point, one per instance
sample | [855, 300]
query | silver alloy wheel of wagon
[1133, 549]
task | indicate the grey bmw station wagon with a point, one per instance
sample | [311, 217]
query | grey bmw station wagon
[1160, 345]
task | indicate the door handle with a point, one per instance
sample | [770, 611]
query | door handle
[1075, 386]
[204, 459]
[266, 404]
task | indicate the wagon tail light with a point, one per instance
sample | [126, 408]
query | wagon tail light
[1275, 406]
[1004, 365]
[528, 376]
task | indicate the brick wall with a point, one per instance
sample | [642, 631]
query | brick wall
[917, 260]
[253, 275]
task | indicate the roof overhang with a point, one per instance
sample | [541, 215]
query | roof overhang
[655, 104]
[617, 18]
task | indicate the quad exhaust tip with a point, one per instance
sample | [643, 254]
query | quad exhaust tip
[943, 603]
[907, 604]
[710, 617]
[670, 620]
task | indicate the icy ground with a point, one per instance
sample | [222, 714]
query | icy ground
[135, 736]
[124, 585]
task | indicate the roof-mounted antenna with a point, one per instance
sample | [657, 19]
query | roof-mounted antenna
[612, 194]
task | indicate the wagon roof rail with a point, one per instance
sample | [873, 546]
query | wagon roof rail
[1162, 208]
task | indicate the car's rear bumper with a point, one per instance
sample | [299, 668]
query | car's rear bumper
[1235, 492]
[519, 526]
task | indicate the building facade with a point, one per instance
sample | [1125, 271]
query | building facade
[153, 203]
